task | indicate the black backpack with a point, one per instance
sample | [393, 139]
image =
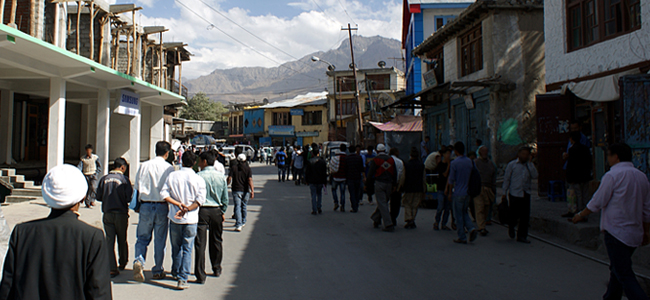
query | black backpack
[474, 185]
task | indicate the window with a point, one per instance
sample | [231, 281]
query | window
[346, 107]
[379, 82]
[312, 118]
[443, 20]
[281, 118]
[345, 83]
[593, 21]
[471, 51]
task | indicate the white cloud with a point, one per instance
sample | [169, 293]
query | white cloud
[310, 31]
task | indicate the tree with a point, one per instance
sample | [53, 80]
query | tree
[200, 107]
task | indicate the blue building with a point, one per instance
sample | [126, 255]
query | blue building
[422, 18]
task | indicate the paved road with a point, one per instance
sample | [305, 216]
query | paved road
[286, 253]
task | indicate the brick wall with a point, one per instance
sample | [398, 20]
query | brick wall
[23, 14]
[84, 38]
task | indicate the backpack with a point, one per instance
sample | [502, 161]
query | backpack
[281, 157]
[334, 164]
[474, 184]
[384, 165]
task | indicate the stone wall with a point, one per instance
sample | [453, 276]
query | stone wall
[619, 52]
[84, 37]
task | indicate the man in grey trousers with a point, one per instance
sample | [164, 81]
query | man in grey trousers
[383, 174]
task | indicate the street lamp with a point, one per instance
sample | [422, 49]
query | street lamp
[330, 67]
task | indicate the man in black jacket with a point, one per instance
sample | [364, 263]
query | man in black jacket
[115, 192]
[414, 188]
[58, 257]
[578, 175]
[316, 177]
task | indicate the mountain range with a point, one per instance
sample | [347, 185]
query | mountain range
[293, 78]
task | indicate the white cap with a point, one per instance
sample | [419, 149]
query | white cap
[64, 186]
[381, 148]
[241, 157]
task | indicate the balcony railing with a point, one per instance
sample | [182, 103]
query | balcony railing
[176, 87]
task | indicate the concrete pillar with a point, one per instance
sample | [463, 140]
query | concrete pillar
[56, 123]
[103, 127]
[134, 145]
[6, 125]
[157, 132]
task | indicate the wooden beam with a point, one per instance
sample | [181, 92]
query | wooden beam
[92, 31]
[180, 72]
[135, 44]
[160, 83]
[78, 19]
[102, 22]
[12, 17]
[128, 54]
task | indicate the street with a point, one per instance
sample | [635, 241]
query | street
[286, 253]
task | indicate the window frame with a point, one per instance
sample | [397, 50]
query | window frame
[348, 104]
[471, 61]
[628, 25]
[281, 119]
[312, 118]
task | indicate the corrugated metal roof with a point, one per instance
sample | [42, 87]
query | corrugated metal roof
[400, 123]
[319, 98]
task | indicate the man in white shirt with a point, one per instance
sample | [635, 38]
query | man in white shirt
[153, 211]
[185, 192]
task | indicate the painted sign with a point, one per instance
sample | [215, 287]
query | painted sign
[129, 103]
[253, 121]
[306, 133]
[469, 101]
[297, 112]
[430, 78]
[265, 141]
[282, 130]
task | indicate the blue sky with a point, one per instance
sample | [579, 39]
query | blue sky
[297, 27]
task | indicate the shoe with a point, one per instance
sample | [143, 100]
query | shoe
[459, 241]
[182, 285]
[336, 207]
[413, 226]
[313, 213]
[473, 234]
[159, 276]
[138, 272]
[453, 226]
[122, 268]
[525, 241]
[320, 211]
[568, 215]
[238, 228]
[436, 227]
[217, 273]
[354, 211]
[198, 281]
[361, 203]
[446, 228]
[342, 209]
[375, 224]
[511, 232]
[175, 277]
[115, 273]
[389, 229]
[484, 232]
[233, 217]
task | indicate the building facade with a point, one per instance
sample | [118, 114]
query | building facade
[298, 121]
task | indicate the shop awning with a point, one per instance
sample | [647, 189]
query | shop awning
[400, 123]
[411, 102]
[601, 89]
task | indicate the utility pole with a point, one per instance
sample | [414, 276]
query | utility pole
[356, 84]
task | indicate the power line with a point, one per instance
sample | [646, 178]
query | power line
[346, 11]
[323, 11]
[240, 42]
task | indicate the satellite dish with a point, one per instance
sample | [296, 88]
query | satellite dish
[383, 100]
[331, 68]
[351, 66]
[381, 64]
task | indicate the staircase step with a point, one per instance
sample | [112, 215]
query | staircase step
[18, 199]
[26, 192]
[13, 178]
[26, 185]
[7, 172]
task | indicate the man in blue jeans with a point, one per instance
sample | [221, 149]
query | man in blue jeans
[241, 178]
[460, 170]
[316, 177]
[153, 212]
[185, 192]
[281, 162]
[339, 181]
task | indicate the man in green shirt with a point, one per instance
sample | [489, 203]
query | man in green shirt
[211, 217]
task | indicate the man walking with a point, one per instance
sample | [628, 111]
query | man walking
[241, 178]
[460, 170]
[298, 165]
[316, 177]
[625, 219]
[91, 168]
[578, 175]
[370, 189]
[483, 202]
[516, 184]
[115, 192]
[153, 212]
[354, 175]
[414, 187]
[58, 257]
[185, 192]
[281, 162]
[396, 195]
[444, 203]
[211, 218]
[383, 176]
[338, 171]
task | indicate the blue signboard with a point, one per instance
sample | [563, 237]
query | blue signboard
[253, 121]
[265, 141]
[282, 130]
[297, 112]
